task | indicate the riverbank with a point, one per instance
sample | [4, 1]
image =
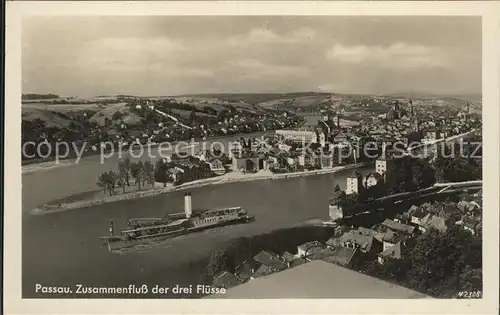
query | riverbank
[35, 165]
[233, 177]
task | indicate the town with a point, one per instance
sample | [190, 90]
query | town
[436, 197]
[382, 220]
[391, 249]
[257, 157]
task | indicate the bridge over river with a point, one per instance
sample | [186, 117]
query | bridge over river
[387, 203]
[431, 147]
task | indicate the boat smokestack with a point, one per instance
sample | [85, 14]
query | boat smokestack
[188, 206]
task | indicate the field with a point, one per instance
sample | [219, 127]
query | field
[108, 111]
[48, 113]
[51, 119]
[61, 107]
[218, 104]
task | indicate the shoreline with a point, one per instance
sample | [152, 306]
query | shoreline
[52, 163]
[224, 179]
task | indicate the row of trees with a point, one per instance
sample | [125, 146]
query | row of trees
[462, 161]
[140, 172]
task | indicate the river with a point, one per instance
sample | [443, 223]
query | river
[64, 248]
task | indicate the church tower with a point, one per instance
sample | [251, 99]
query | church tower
[410, 102]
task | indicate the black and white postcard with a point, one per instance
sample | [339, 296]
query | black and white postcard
[241, 157]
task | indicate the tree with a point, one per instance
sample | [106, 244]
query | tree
[137, 171]
[415, 136]
[121, 181]
[107, 181]
[117, 115]
[439, 256]
[124, 168]
[102, 181]
[219, 261]
[192, 117]
[471, 280]
[149, 172]
[160, 173]
[112, 178]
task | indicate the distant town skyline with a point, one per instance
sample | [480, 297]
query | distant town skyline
[160, 56]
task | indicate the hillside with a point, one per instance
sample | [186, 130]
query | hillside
[33, 96]
[107, 112]
[256, 98]
[52, 119]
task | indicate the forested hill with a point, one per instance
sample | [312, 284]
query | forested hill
[33, 96]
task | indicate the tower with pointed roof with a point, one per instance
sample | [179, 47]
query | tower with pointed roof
[410, 103]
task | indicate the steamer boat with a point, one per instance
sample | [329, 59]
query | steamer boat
[147, 230]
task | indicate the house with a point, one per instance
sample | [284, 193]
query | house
[412, 210]
[372, 180]
[263, 270]
[471, 207]
[270, 260]
[404, 218]
[431, 135]
[432, 221]
[418, 216]
[288, 257]
[368, 245]
[344, 256]
[216, 165]
[247, 162]
[398, 227]
[309, 248]
[393, 252]
[391, 238]
[335, 210]
[477, 203]
[326, 161]
[365, 231]
[175, 172]
[300, 160]
[225, 280]
[471, 225]
[245, 271]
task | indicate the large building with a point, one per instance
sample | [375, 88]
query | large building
[306, 136]
[248, 163]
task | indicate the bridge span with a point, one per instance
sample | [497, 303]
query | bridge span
[424, 149]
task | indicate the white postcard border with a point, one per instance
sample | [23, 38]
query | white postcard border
[14, 304]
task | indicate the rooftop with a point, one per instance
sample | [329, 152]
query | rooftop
[393, 252]
[392, 237]
[269, 259]
[319, 279]
[310, 245]
[364, 241]
[398, 227]
[341, 255]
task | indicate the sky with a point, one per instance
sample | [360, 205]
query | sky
[167, 55]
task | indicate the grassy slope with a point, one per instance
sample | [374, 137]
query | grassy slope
[251, 102]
